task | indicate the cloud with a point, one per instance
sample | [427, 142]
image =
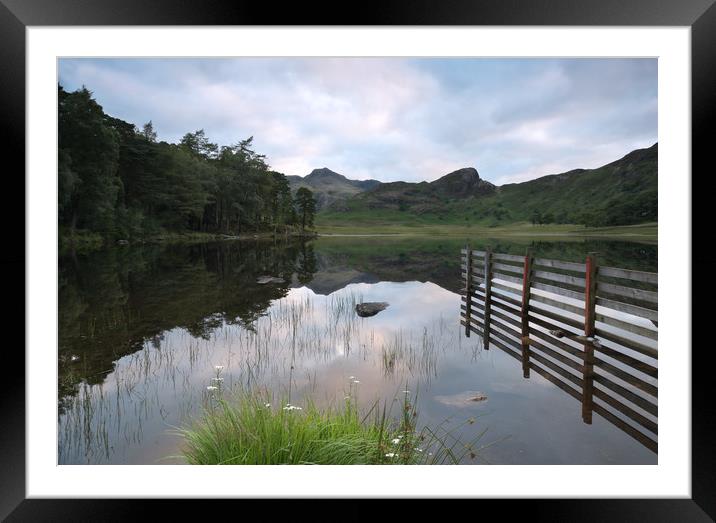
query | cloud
[391, 118]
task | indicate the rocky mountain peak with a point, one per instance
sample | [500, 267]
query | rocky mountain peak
[463, 182]
[324, 172]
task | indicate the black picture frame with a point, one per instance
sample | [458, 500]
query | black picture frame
[699, 15]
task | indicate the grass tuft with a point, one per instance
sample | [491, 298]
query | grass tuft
[253, 429]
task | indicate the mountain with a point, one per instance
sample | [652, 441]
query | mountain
[426, 196]
[619, 193]
[329, 187]
[461, 184]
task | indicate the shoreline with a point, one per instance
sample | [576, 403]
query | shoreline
[85, 241]
[643, 232]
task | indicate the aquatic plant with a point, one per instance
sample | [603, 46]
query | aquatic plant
[245, 430]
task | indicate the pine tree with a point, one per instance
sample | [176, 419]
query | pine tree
[306, 207]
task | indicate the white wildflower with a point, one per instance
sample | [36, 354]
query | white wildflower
[212, 387]
[219, 367]
[267, 405]
[395, 441]
[390, 455]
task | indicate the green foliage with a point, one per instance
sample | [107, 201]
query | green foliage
[67, 181]
[197, 143]
[148, 132]
[87, 163]
[252, 428]
[306, 204]
[118, 181]
[281, 202]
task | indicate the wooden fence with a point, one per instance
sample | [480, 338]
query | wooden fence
[591, 330]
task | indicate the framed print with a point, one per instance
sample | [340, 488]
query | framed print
[425, 236]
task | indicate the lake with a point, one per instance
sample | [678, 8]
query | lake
[142, 328]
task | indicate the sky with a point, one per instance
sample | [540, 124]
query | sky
[410, 119]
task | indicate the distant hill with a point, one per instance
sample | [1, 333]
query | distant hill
[329, 187]
[620, 193]
[426, 196]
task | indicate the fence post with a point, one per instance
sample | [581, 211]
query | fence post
[488, 297]
[526, 283]
[590, 301]
[468, 289]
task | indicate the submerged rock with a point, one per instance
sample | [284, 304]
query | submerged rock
[462, 399]
[367, 309]
[269, 279]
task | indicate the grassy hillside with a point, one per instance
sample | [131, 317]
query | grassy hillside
[620, 193]
[623, 192]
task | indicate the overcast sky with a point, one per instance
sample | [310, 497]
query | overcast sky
[391, 119]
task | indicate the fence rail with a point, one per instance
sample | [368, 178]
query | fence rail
[592, 331]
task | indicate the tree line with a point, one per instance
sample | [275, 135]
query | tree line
[119, 181]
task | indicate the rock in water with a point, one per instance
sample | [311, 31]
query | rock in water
[269, 279]
[367, 309]
[463, 399]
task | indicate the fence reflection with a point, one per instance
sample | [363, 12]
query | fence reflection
[590, 330]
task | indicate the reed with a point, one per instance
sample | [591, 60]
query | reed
[255, 428]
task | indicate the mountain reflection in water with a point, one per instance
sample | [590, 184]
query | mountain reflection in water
[141, 329]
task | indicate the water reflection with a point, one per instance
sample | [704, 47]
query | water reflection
[304, 343]
[612, 371]
[141, 330]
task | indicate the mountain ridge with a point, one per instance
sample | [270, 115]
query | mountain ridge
[621, 192]
[329, 186]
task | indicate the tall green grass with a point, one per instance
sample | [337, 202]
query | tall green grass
[252, 429]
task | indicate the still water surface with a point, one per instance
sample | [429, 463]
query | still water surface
[142, 329]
